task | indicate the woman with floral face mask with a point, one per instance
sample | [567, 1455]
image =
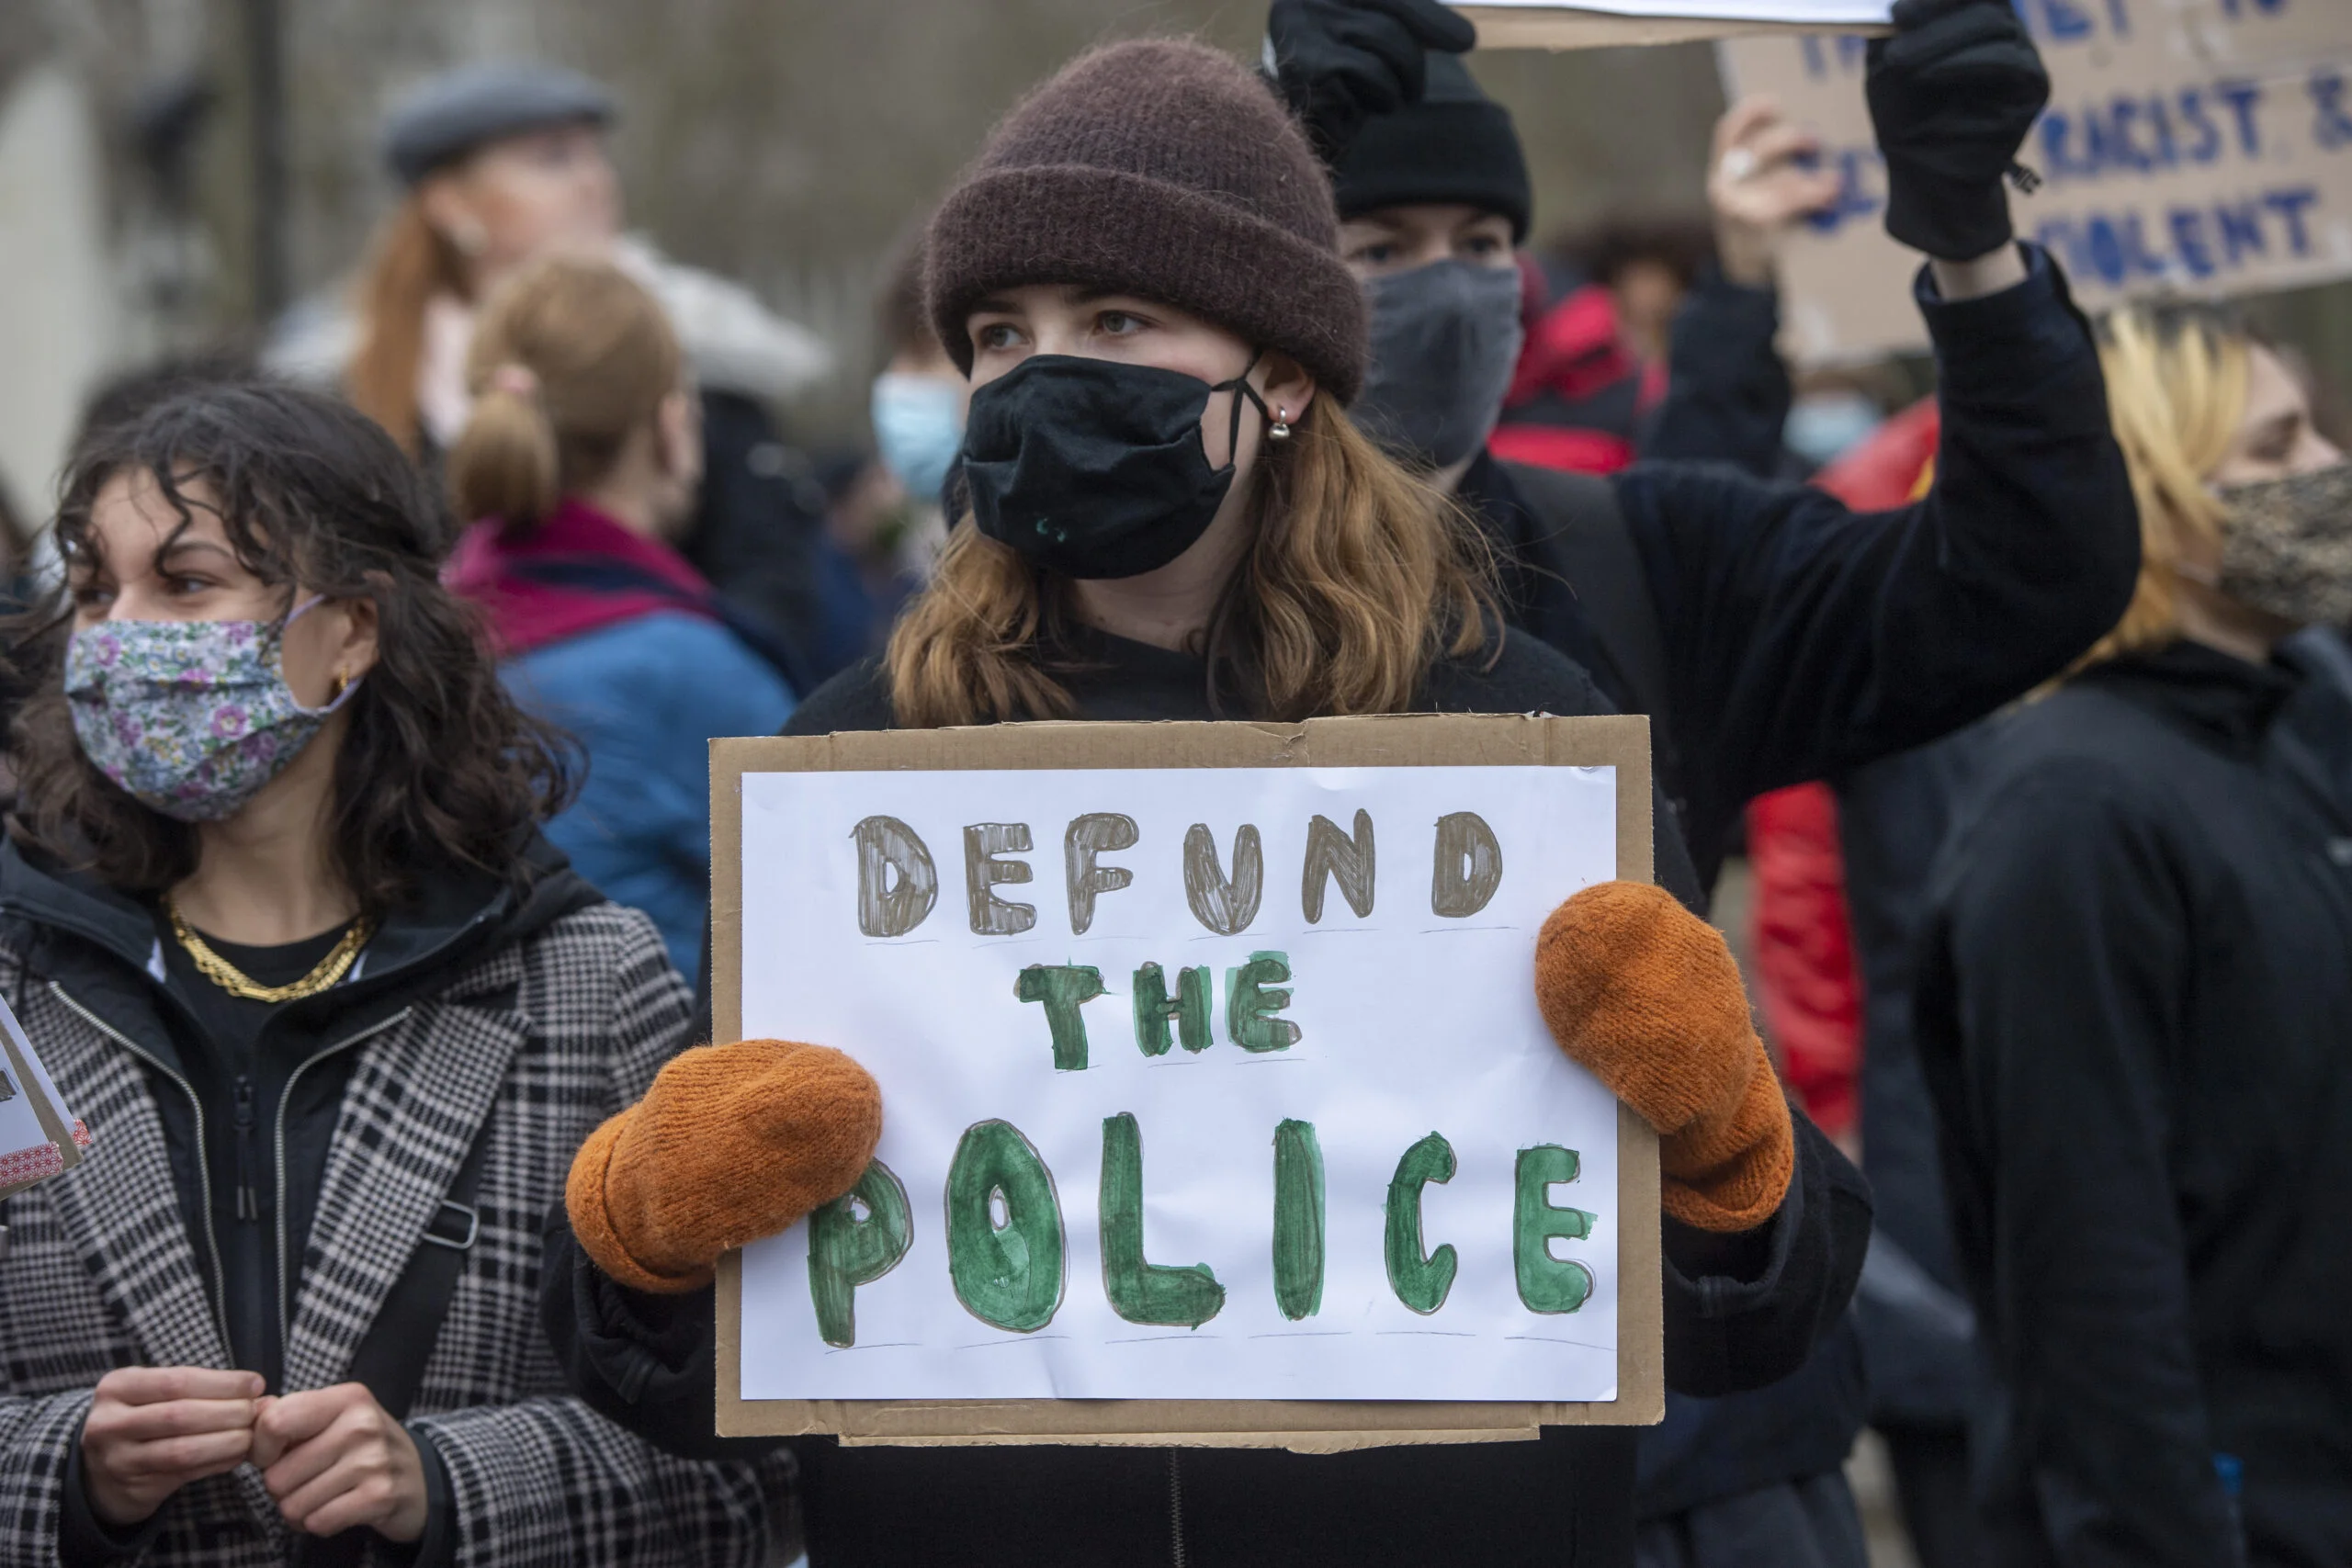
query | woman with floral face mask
[275, 912]
[1172, 517]
[2134, 998]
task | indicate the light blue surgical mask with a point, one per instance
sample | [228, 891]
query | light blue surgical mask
[1824, 426]
[919, 425]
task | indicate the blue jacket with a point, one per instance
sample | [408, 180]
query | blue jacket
[644, 697]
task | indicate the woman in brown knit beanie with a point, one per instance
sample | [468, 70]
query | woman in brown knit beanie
[1172, 517]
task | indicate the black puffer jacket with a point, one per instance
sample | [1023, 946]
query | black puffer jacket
[2135, 1004]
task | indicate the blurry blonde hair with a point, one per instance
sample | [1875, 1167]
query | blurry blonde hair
[410, 263]
[2176, 379]
[571, 356]
[1358, 578]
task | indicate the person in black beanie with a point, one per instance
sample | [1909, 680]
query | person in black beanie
[1770, 637]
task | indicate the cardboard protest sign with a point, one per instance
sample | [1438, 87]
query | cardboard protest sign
[2191, 146]
[1216, 1103]
[39, 1137]
[1601, 24]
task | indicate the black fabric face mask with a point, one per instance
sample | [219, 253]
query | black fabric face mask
[1092, 468]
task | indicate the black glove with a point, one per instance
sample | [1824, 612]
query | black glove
[1339, 62]
[1952, 94]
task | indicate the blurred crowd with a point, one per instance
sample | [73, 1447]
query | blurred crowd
[358, 880]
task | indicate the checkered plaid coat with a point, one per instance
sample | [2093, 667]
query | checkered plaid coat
[545, 1037]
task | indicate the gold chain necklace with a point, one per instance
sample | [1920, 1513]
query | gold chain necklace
[329, 972]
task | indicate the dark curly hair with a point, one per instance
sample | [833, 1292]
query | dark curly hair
[438, 771]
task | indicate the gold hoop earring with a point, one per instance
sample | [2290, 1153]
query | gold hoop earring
[342, 684]
[1281, 432]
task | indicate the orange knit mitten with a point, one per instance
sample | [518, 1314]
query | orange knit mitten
[1646, 996]
[732, 1144]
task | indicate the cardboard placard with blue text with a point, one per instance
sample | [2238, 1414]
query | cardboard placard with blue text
[1218, 1107]
[2191, 146]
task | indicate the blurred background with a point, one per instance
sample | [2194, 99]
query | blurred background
[175, 174]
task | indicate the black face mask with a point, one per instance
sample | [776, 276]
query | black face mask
[1093, 468]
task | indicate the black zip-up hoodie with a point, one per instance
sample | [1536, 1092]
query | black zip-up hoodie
[2135, 1017]
[1740, 1312]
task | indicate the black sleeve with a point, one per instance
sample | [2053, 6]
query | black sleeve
[649, 1363]
[1745, 1312]
[84, 1540]
[2051, 994]
[1728, 391]
[858, 698]
[1803, 639]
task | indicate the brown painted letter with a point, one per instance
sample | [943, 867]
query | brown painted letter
[1225, 907]
[1331, 854]
[991, 916]
[1089, 835]
[885, 846]
[1469, 865]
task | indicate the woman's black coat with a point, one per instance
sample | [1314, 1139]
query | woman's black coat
[2135, 1014]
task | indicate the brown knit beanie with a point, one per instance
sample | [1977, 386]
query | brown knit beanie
[1164, 169]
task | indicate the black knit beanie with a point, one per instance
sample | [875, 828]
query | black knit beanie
[1455, 145]
[1164, 169]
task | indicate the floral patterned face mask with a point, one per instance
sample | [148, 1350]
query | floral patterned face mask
[191, 717]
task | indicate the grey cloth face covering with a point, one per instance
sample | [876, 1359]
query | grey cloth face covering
[2287, 546]
[1445, 338]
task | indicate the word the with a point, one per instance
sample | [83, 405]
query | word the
[1251, 1002]
[1007, 1244]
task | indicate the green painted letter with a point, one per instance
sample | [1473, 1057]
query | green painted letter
[1011, 1274]
[1153, 1010]
[1298, 1220]
[845, 1252]
[1141, 1292]
[1063, 988]
[1250, 1005]
[1420, 1282]
[1545, 1283]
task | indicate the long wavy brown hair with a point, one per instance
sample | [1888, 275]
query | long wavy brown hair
[1357, 579]
[439, 769]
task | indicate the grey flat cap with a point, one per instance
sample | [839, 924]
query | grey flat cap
[450, 114]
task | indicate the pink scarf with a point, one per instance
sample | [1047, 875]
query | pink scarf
[526, 615]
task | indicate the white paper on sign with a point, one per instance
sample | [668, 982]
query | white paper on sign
[1811, 13]
[1409, 1023]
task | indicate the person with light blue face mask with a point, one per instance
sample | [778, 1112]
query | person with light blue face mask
[887, 524]
[919, 397]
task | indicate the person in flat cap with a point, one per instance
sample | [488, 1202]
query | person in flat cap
[499, 164]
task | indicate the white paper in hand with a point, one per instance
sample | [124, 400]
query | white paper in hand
[39, 1137]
